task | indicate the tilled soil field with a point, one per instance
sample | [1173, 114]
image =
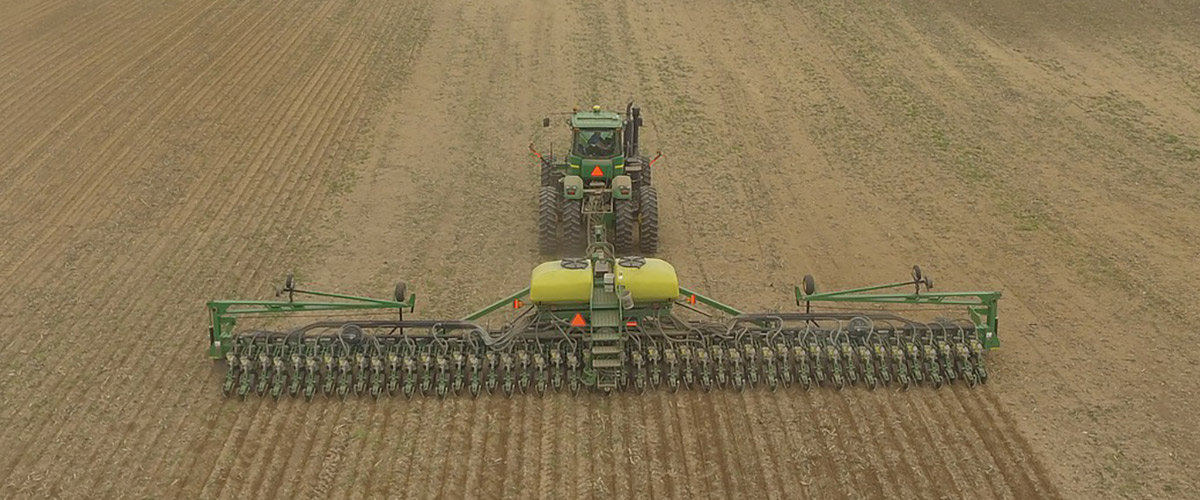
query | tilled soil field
[156, 155]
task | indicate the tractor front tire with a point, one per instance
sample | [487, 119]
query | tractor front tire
[574, 240]
[548, 208]
[625, 223]
[649, 220]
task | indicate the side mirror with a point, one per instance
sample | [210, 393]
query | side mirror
[546, 122]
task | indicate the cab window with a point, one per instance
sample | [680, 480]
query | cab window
[597, 143]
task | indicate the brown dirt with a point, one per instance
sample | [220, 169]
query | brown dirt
[158, 155]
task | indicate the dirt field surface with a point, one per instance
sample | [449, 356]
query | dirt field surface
[154, 155]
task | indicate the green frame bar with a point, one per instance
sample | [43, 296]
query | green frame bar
[496, 305]
[983, 307]
[708, 301]
[223, 314]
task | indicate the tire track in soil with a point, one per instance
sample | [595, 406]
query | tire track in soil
[302, 449]
[948, 452]
[822, 472]
[53, 64]
[939, 466]
[792, 450]
[1028, 479]
[973, 457]
[406, 458]
[253, 179]
[657, 468]
[727, 73]
[31, 88]
[476, 446]
[767, 415]
[882, 105]
[443, 458]
[16, 16]
[61, 380]
[174, 38]
[858, 444]
[546, 433]
[640, 451]
[1001, 456]
[35, 228]
[622, 451]
[773, 486]
[378, 477]
[981, 432]
[528, 461]
[366, 433]
[581, 471]
[689, 458]
[908, 456]
[330, 462]
[868, 425]
[733, 446]
[509, 454]
[844, 470]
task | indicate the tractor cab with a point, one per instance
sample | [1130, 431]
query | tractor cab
[597, 145]
[602, 192]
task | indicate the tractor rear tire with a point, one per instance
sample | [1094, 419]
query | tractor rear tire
[550, 175]
[625, 223]
[649, 223]
[574, 240]
[548, 220]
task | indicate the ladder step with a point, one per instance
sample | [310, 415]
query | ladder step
[606, 318]
[605, 336]
[606, 349]
[604, 300]
[606, 363]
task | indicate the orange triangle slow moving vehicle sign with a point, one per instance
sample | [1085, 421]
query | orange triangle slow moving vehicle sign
[597, 171]
[578, 320]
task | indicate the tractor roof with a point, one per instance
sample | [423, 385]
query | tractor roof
[595, 118]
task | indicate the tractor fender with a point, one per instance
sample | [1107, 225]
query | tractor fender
[622, 187]
[573, 187]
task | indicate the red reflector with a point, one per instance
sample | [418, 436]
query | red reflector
[517, 303]
[597, 172]
[692, 299]
[578, 320]
[631, 323]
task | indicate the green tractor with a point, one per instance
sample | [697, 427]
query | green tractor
[602, 192]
